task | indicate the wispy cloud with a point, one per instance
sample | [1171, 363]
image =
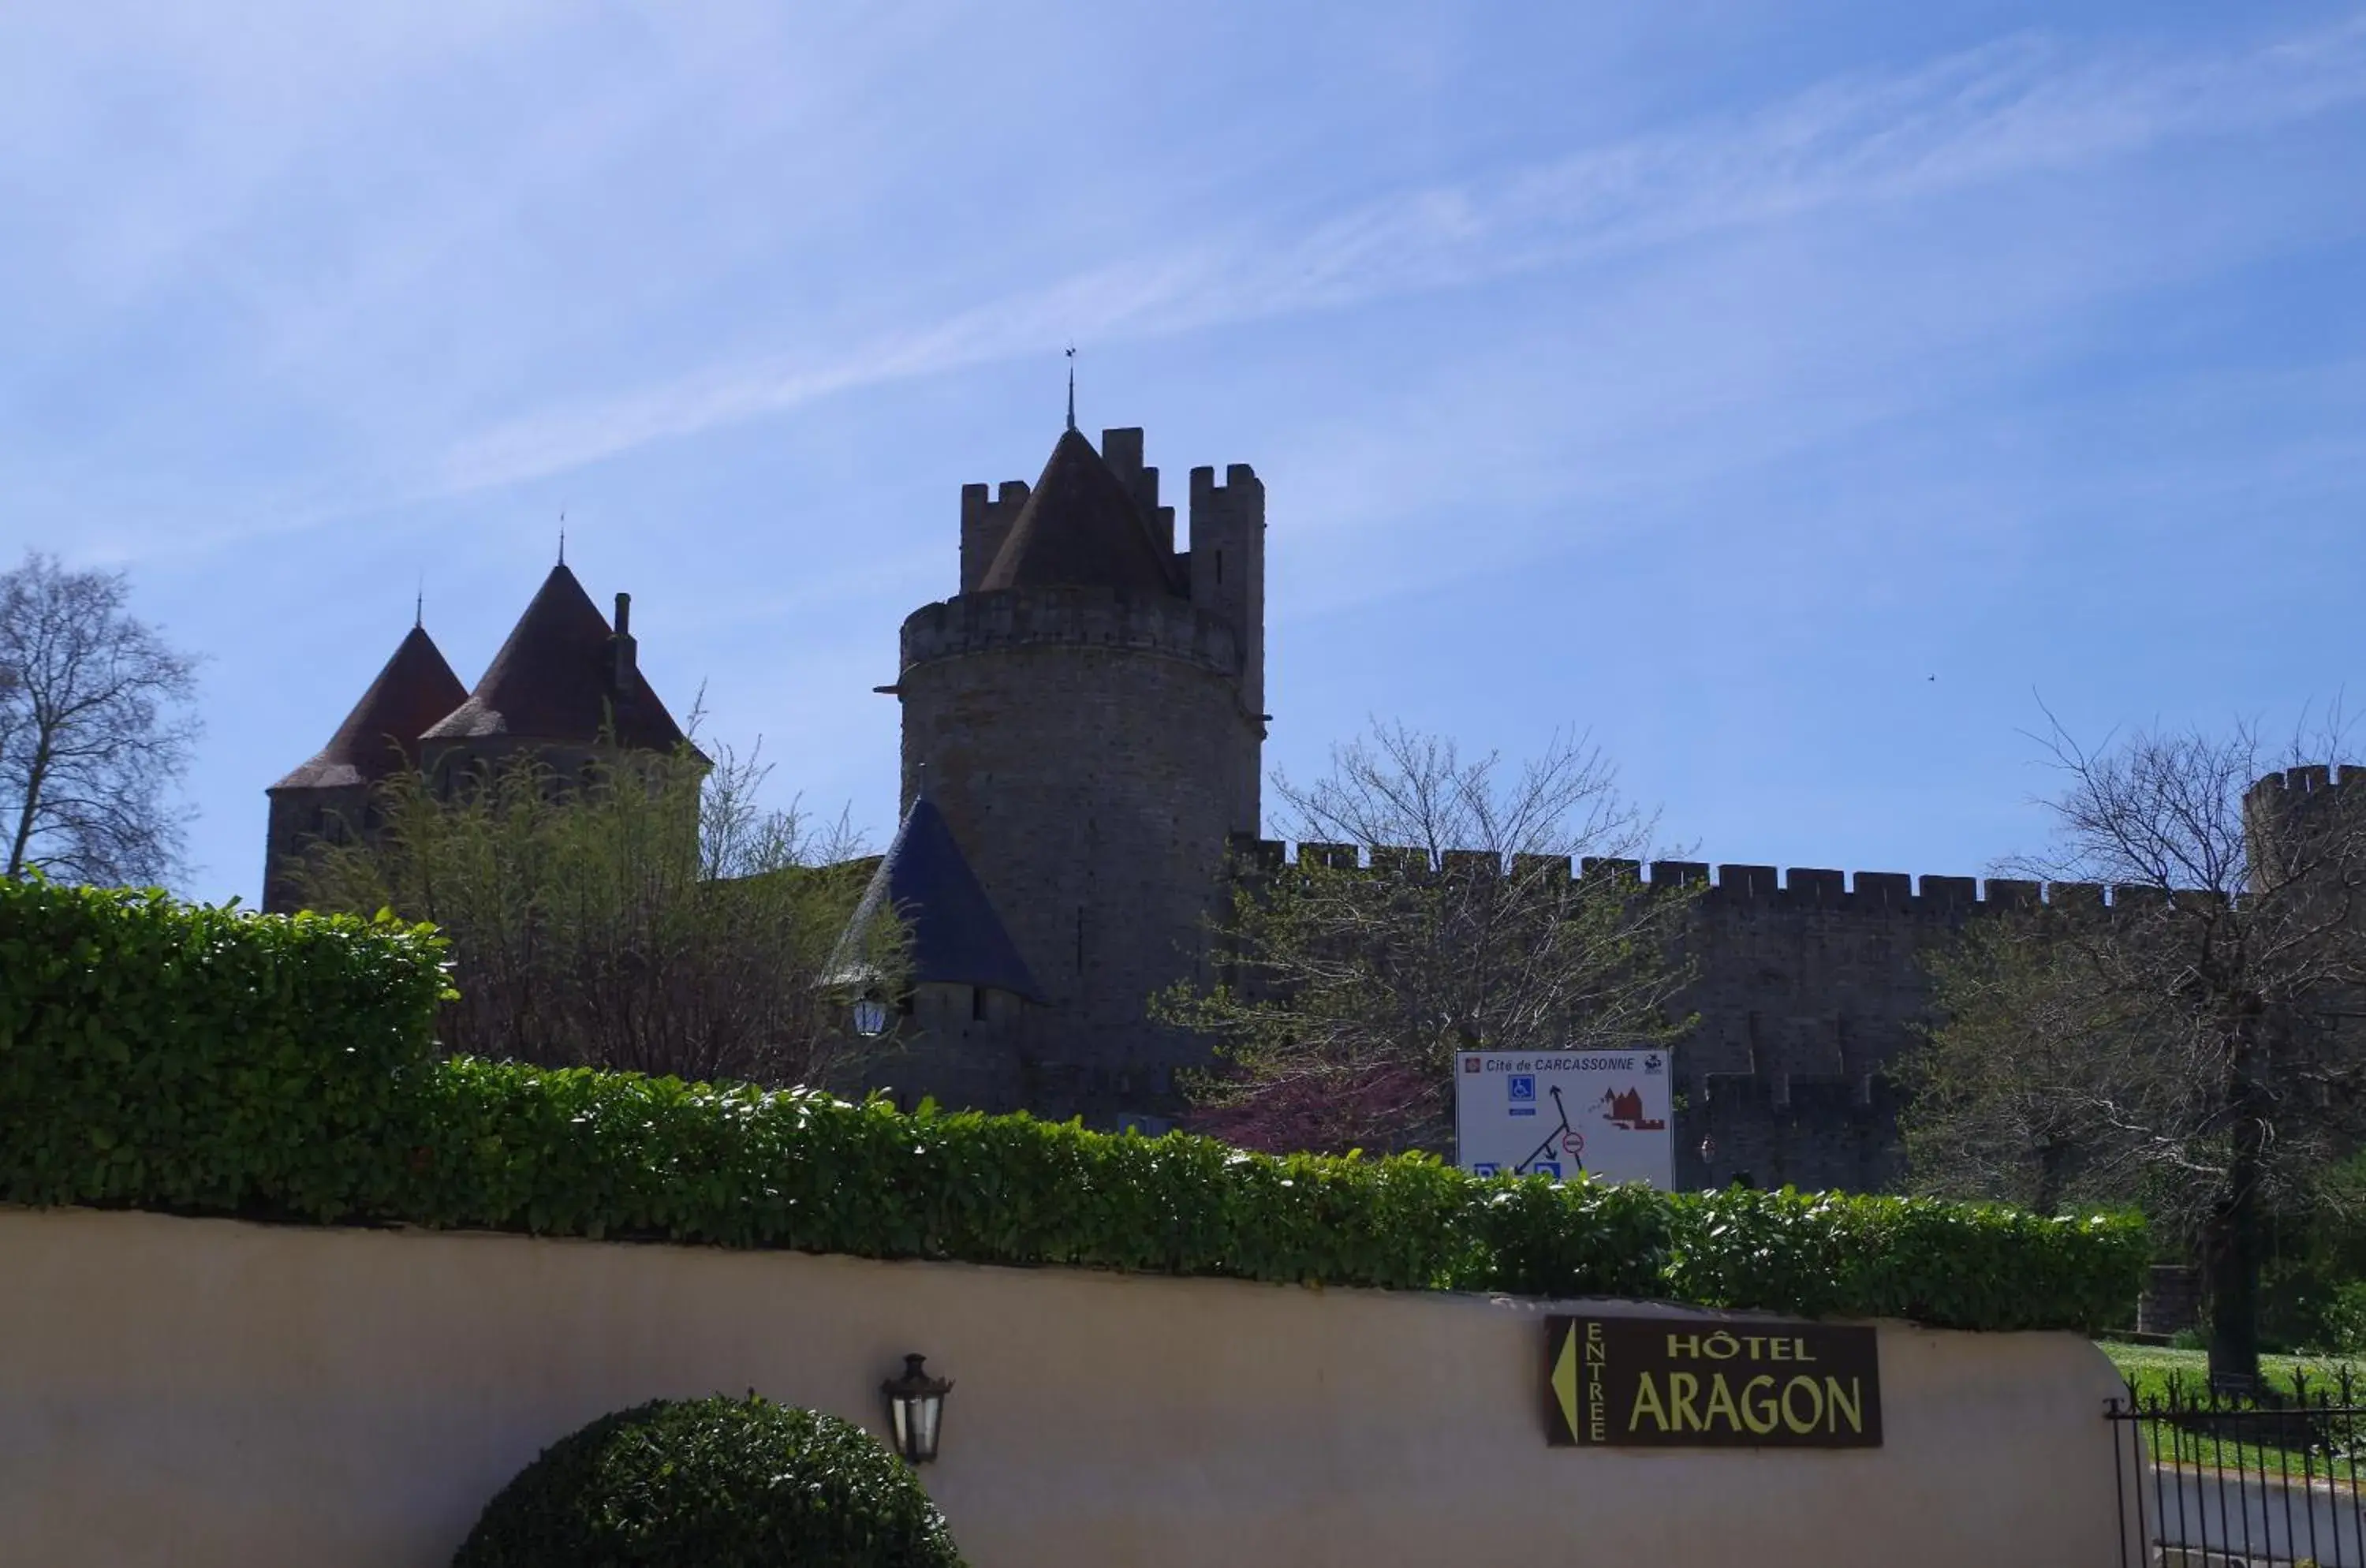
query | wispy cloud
[2021, 108]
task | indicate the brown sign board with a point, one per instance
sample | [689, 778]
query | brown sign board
[1707, 1382]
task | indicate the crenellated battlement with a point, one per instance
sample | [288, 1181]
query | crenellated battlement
[1225, 566]
[986, 520]
[1221, 570]
[2304, 783]
[1731, 884]
[1122, 450]
[985, 525]
[1069, 617]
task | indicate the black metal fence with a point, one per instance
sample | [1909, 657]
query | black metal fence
[2210, 1479]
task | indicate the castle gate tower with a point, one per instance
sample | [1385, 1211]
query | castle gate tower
[1089, 713]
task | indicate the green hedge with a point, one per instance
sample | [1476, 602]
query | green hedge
[160, 1056]
[713, 1483]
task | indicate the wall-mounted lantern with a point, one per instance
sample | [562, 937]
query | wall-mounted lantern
[916, 1409]
[870, 1016]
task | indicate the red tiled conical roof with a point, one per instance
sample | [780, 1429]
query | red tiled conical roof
[414, 690]
[555, 679]
[1079, 528]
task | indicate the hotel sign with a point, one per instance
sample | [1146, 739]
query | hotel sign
[1689, 1383]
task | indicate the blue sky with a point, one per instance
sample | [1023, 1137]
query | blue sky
[1710, 376]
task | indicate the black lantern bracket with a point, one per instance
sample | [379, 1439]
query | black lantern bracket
[916, 1409]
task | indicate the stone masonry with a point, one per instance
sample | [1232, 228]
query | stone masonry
[1082, 731]
[1092, 734]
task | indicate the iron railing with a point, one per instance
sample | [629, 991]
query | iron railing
[2262, 1479]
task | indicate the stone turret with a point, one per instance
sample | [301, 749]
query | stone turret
[328, 798]
[969, 1001]
[565, 685]
[1088, 710]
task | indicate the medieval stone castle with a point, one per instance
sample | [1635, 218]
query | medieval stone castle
[1083, 727]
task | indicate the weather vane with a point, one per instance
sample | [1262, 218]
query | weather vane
[562, 539]
[1072, 386]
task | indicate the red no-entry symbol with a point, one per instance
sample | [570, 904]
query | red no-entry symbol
[1572, 1143]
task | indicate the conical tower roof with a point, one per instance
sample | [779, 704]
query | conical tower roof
[956, 936]
[414, 690]
[1080, 529]
[555, 679]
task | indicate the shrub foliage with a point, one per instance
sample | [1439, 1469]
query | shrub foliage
[641, 914]
[159, 1054]
[713, 1483]
[155, 1054]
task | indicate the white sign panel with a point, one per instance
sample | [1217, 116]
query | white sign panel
[1560, 1113]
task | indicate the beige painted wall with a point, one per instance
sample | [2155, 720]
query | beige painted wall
[197, 1392]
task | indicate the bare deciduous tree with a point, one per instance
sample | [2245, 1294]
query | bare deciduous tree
[645, 913]
[95, 729]
[1432, 909]
[2191, 1046]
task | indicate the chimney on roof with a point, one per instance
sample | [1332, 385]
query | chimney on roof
[622, 658]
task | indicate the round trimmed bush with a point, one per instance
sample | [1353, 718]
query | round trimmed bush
[713, 1483]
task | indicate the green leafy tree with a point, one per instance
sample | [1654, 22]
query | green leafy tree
[2190, 1047]
[1432, 908]
[642, 912]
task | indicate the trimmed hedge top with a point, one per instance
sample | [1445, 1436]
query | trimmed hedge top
[156, 1054]
[713, 1482]
[162, 1054]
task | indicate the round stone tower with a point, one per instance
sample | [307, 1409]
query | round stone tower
[1088, 710]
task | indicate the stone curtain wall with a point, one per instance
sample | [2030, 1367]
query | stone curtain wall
[1810, 982]
[1806, 993]
[206, 1394]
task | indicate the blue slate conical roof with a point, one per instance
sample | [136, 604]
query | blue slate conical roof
[956, 936]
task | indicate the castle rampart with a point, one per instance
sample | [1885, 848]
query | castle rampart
[1797, 888]
[1809, 981]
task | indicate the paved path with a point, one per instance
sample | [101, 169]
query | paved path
[2264, 1520]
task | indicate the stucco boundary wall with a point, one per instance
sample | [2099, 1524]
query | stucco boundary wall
[203, 1393]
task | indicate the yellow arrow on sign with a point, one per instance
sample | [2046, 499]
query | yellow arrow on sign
[1564, 1379]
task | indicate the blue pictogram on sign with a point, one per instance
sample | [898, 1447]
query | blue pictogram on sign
[1523, 1087]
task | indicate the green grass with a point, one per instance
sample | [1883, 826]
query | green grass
[2152, 1370]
